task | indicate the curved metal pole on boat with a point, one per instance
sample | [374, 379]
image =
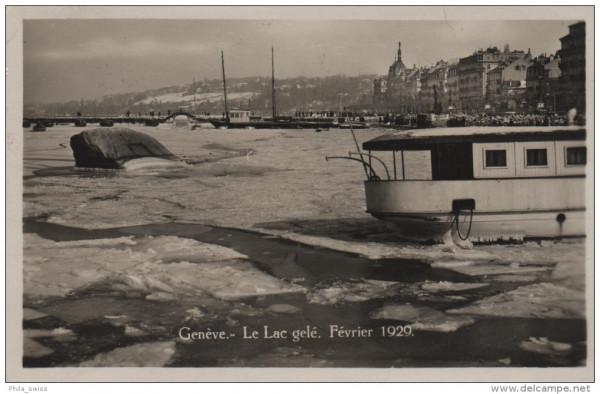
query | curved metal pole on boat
[361, 161]
[365, 165]
[373, 157]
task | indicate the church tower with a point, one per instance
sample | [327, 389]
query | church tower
[400, 51]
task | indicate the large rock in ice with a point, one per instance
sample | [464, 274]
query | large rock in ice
[111, 148]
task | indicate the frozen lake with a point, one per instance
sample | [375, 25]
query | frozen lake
[262, 231]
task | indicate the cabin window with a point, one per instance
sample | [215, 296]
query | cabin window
[452, 161]
[576, 156]
[495, 158]
[536, 157]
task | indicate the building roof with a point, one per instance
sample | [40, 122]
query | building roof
[419, 138]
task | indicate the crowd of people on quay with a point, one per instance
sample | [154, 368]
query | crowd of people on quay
[486, 119]
[489, 119]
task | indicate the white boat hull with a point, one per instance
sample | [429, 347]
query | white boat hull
[504, 208]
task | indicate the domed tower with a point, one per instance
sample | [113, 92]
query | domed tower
[398, 67]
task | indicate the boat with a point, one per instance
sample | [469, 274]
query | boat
[107, 123]
[432, 120]
[39, 127]
[80, 122]
[482, 184]
[243, 119]
[354, 125]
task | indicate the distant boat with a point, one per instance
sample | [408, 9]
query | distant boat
[354, 125]
[106, 123]
[243, 119]
[80, 122]
[151, 122]
[39, 127]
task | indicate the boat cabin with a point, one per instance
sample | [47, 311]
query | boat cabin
[482, 153]
[239, 116]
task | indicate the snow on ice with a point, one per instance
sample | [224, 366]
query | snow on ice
[151, 354]
[541, 300]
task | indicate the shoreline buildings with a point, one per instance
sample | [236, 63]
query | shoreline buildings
[572, 67]
[489, 80]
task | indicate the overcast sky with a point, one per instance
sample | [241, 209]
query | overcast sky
[74, 59]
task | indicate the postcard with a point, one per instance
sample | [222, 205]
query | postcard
[295, 194]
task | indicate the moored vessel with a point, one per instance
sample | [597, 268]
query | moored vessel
[481, 184]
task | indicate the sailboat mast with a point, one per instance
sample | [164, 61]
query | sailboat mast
[273, 82]
[194, 88]
[224, 86]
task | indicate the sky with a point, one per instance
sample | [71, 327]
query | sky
[72, 59]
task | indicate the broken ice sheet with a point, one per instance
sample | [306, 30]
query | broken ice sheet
[176, 249]
[283, 308]
[542, 300]
[57, 334]
[151, 354]
[134, 332]
[126, 211]
[545, 346]
[31, 314]
[422, 318]
[291, 357]
[353, 291]
[436, 287]
[33, 349]
[57, 268]
[230, 280]
[489, 268]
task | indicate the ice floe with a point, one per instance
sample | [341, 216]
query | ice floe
[30, 314]
[352, 291]
[289, 357]
[151, 354]
[34, 349]
[152, 163]
[134, 332]
[545, 346]
[435, 287]
[282, 308]
[233, 280]
[540, 300]
[57, 334]
[57, 268]
[422, 318]
[487, 269]
[54, 269]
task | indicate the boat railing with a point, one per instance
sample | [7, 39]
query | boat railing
[370, 156]
[372, 174]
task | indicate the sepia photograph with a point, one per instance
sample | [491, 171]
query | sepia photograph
[300, 194]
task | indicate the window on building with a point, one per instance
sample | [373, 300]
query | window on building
[495, 158]
[576, 156]
[537, 157]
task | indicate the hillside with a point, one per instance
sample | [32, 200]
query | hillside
[206, 97]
